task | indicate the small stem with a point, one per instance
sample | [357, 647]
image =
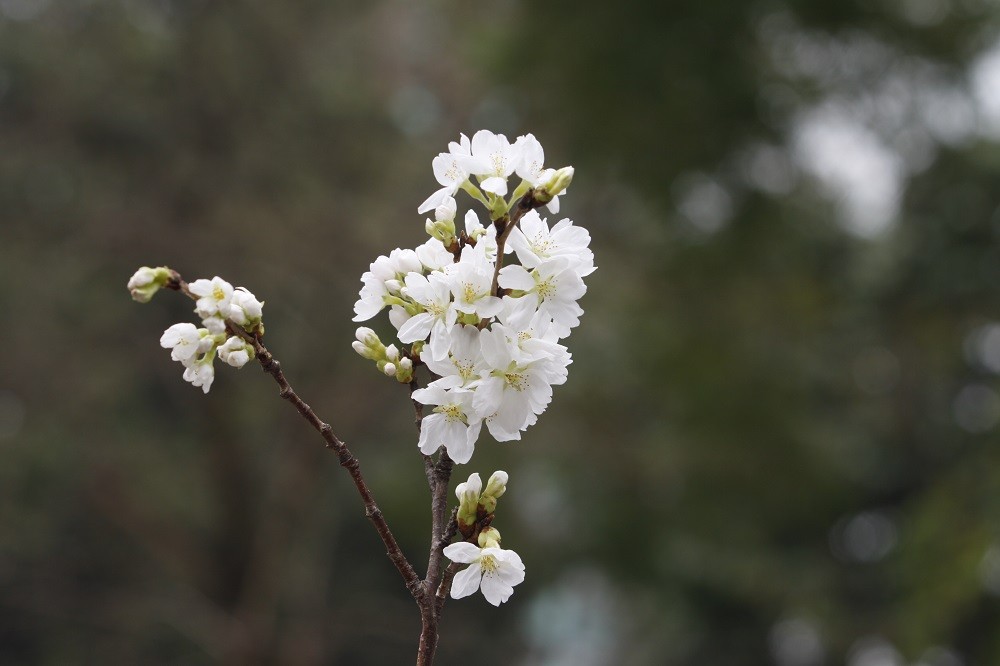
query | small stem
[334, 443]
[444, 587]
[439, 507]
[505, 225]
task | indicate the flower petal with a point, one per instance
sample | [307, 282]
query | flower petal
[466, 582]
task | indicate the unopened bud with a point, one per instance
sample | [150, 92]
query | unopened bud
[391, 353]
[147, 281]
[363, 351]
[366, 336]
[389, 369]
[489, 538]
[555, 185]
[468, 502]
[393, 286]
[447, 209]
[497, 485]
[404, 370]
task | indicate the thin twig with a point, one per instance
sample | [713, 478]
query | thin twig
[505, 225]
[334, 443]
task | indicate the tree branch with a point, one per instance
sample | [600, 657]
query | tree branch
[334, 443]
[505, 225]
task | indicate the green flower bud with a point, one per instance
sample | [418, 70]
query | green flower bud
[559, 181]
[147, 281]
[489, 538]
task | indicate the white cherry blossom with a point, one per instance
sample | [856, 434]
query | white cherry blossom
[201, 373]
[453, 424]
[449, 172]
[531, 165]
[184, 342]
[213, 296]
[512, 393]
[433, 293]
[471, 282]
[463, 363]
[554, 285]
[492, 160]
[495, 571]
[535, 243]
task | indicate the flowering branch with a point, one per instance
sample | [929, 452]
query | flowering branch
[347, 459]
[488, 334]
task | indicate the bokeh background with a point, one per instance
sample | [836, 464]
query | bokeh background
[778, 444]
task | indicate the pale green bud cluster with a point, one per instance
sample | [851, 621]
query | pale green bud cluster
[147, 281]
[388, 360]
[475, 503]
[442, 227]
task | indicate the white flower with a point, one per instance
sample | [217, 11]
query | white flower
[235, 352]
[493, 570]
[534, 243]
[201, 373]
[184, 342]
[244, 308]
[433, 255]
[531, 165]
[449, 172]
[453, 424]
[433, 293]
[485, 237]
[384, 279]
[533, 336]
[214, 296]
[513, 393]
[493, 159]
[463, 362]
[555, 285]
[471, 282]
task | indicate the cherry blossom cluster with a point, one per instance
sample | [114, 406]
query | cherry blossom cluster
[490, 337]
[217, 303]
[491, 569]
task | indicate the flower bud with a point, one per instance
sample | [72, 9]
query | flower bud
[391, 353]
[389, 369]
[364, 352]
[245, 309]
[555, 185]
[236, 352]
[497, 485]
[367, 336]
[468, 503]
[489, 538]
[393, 286]
[404, 370]
[447, 210]
[214, 325]
[147, 281]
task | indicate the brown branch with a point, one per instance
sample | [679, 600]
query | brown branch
[334, 443]
[505, 225]
[444, 587]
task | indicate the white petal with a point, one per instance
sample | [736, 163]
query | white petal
[462, 552]
[466, 582]
[495, 589]
[515, 277]
[417, 327]
[496, 185]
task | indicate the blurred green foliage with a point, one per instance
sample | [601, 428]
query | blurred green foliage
[778, 442]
